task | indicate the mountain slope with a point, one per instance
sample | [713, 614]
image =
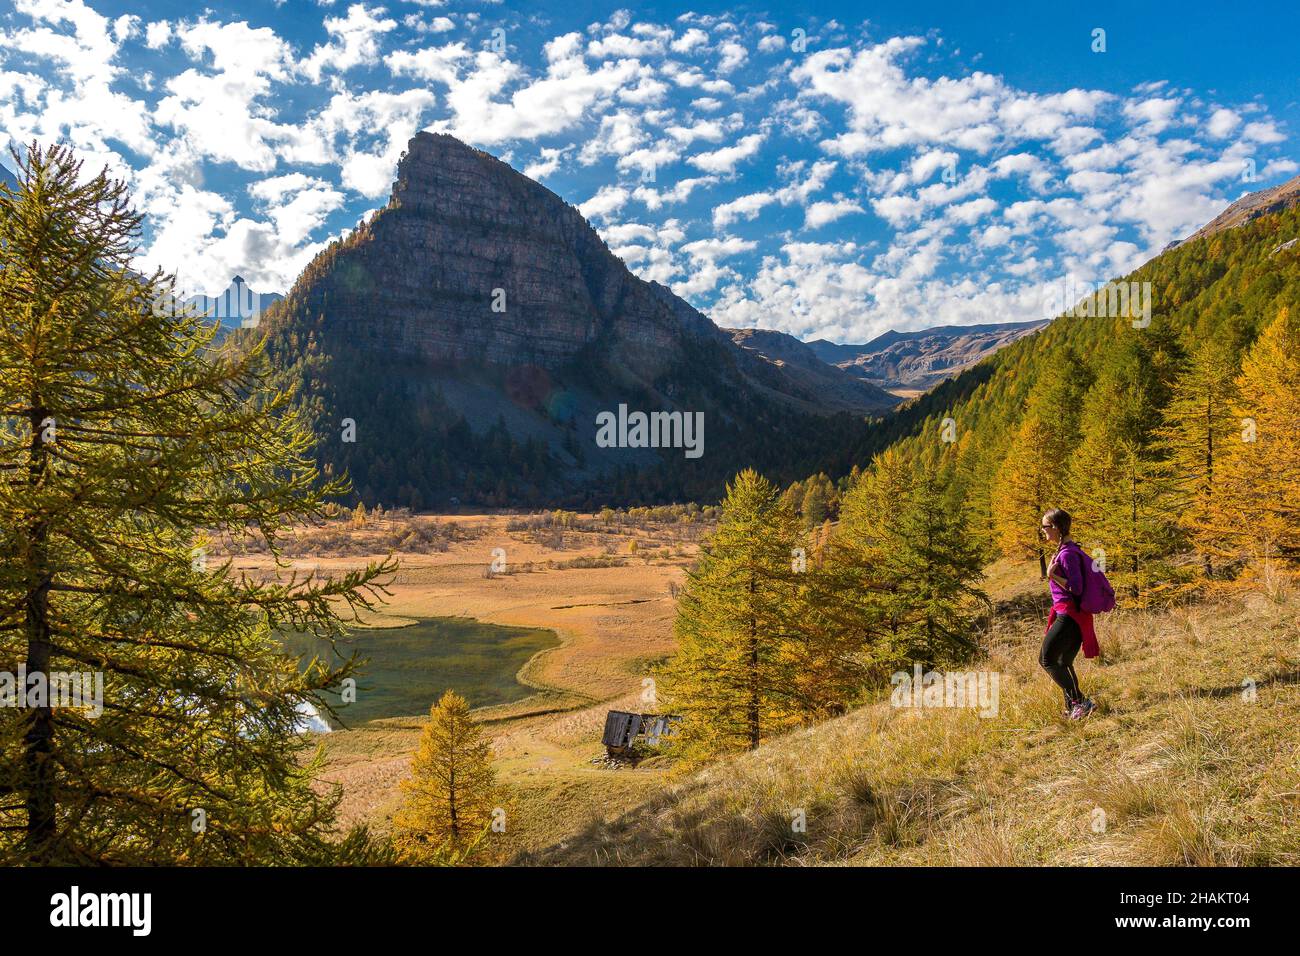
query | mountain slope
[1222, 287]
[476, 326]
[1251, 207]
[919, 360]
[838, 388]
[1182, 768]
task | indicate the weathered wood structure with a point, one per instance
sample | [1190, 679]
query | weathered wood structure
[624, 730]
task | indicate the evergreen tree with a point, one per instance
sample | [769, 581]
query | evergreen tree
[915, 563]
[452, 790]
[125, 440]
[731, 678]
[816, 501]
[1121, 488]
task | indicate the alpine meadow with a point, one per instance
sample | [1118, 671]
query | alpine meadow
[443, 442]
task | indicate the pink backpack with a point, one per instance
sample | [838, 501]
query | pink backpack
[1098, 596]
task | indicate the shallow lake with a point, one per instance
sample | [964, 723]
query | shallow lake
[409, 667]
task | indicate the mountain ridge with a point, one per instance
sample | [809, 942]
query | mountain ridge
[1251, 206]
[918, 360]
[496, 315]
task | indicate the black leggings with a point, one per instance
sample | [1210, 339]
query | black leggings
[1060, 646]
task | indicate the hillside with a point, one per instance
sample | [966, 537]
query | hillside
[1212, 294]
[1252, 206]
[910, 362]
[475, 327]
[1184, 767]
[838, 388]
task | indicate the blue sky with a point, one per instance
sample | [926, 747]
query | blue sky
[828, 169]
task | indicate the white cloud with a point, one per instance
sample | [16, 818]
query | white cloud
[354, 41]
[548, 162]
[680, 192]
[690, 40]
[733, 55]
[157, 34]
[1222, 123]
[746, 207]
[608, 200]
[726, 159]
[821, 213]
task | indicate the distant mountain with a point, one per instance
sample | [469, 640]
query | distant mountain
[837, 388]
[237, 306]
[476, 328]
[917, 361]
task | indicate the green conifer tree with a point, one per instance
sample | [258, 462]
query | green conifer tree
[126, 440]
[1032, 477]
[732, 676]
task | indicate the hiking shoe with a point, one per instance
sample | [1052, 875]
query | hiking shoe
[1082, 709]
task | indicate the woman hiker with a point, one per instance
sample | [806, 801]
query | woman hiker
[1068, 627]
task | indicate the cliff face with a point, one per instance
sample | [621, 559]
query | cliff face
[475, 328]
[461, 225]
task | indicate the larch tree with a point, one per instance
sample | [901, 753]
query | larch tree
[917, 565]
[1256, 511]
[127, 440]
[1033, 475]
[452, 792]
[1200, 421]
[731, 679]
[1120, 487]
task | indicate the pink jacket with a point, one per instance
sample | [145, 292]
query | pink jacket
[1090, 646]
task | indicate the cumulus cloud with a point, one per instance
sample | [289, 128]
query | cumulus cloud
[354, 41]
[726, 159]
[820, 213]
[872, 181]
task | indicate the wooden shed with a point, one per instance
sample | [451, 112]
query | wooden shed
[624, 729]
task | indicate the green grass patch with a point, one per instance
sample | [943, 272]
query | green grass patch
[408, 668]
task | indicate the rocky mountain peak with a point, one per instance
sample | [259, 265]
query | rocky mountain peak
[471, 261]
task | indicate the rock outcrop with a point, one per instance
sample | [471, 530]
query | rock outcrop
[473, 262]
[483, 320]
[1251, 207]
